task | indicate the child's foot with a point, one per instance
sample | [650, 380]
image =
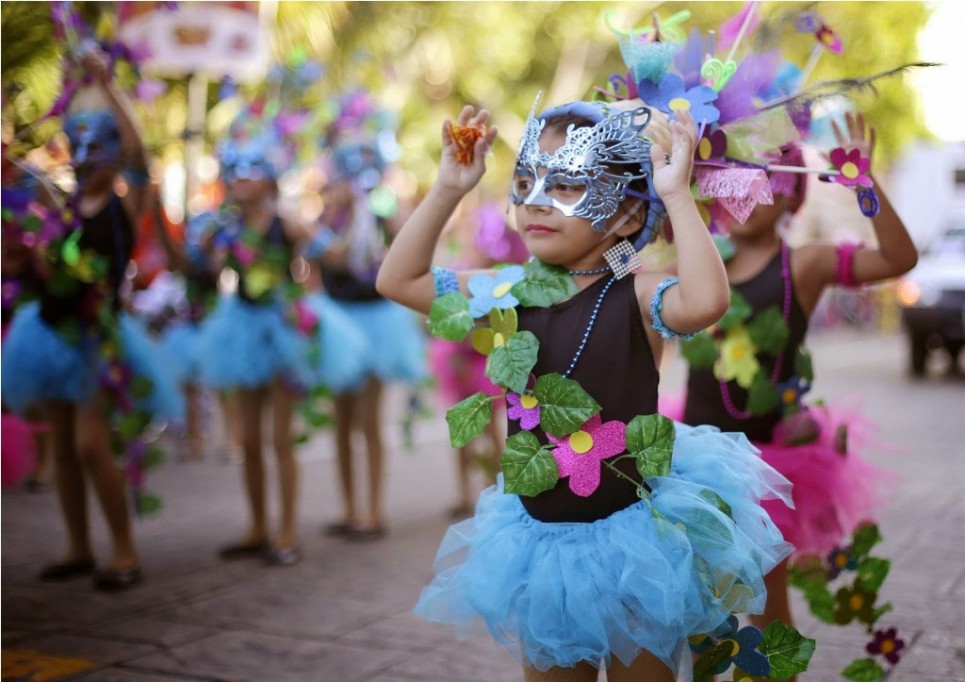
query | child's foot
[283, 556]
[66, 569]
[340, 528]
[117, 579]
[367, 533]
[252, 546]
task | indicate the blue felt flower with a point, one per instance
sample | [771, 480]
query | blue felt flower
[744, 653]
[494, 292]
[672, 95]
[790, 391]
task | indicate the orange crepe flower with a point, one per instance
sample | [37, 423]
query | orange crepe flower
[465, 138]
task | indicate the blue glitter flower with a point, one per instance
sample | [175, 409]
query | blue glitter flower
[494, 292]
[672, 95]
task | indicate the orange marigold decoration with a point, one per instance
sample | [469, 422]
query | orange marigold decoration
[465, 138]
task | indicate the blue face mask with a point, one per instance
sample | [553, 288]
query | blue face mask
[94, 138]
[247, 160]
[363, 162]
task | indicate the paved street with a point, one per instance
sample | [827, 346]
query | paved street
[343, 613]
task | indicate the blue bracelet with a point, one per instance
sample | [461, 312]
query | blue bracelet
[445, 281]
[319, 244]
[656, 305]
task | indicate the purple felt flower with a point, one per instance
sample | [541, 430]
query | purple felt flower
[888, 644]
[580, 454]
[672, 95]
[525, 408]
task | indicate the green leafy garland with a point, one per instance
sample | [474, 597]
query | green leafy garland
[530, 468]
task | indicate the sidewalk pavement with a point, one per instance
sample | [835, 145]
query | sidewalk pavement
[343, 613]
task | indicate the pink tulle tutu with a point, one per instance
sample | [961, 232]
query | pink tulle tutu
[19, 457]
[833, 492]
[459, 371]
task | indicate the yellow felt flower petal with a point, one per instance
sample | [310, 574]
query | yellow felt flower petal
[483, 340]
[737, 358]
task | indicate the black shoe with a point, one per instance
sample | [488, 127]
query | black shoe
[283, 556]
[36, 485]
[233, 552]
[57, 572]
[366, 534]
[111, 580]
[340, 529]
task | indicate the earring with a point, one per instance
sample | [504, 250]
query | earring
[622, 259]
[784, 223]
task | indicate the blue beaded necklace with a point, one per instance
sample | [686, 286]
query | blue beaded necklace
[591, 323]
[592, 271]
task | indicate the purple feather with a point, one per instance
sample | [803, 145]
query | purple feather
[753, 76]
[689, 60]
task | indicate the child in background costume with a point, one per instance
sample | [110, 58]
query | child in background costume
[583, 556]
[835, 489]
[92, 367]
[459, 371]
[260, 342]
[356, 226]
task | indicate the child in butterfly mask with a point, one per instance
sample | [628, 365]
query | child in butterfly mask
[600, 546]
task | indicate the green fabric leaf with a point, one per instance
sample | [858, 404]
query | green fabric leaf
[700, 352]
[469, 418]
[802, 364]
[863, 670]
[787, 650]
[738, 311]
[153, 457]
[529, 468]
[769, 331]
[880, 611]
[650, 440]
[510, 365]
[872, 572]
[762, 395]
[543, 285]
[141, 387]
[719, 502]
[865, 537]
[563, 404]
[148, 504]
[449, 317]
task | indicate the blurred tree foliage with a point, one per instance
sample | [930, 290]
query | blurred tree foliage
[425, 59]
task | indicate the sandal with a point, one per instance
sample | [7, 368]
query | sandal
[243, 551]
[112, 580]
[367, 534]
[283, 556]
[340, 529]
[57, 571]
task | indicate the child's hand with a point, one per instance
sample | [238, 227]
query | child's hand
[453, 174]
[672, 154]
[95, 62]
[860, 136]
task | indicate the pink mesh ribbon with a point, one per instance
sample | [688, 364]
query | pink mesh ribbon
[738, 190]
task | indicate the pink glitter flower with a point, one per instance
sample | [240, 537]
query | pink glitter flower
[579, 454]
[525, 408]
[854, 167]
[244, 253]
[306, 320]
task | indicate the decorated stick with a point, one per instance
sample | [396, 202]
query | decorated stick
[740, 34]
[812, 62]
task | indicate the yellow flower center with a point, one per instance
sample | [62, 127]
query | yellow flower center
[704, 148]
[827, 37]
[849, 170]
[887, 646]
[68, 215]
[856, 602]
[528, 402]
[738, 352]
[498, 340]
[735, 647]
[841, 561]
[789, 396]
[502, 289]
[679, 104]
[581, 442]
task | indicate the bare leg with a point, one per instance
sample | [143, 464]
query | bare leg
[371, 418]
[94, 450]
[465, 462]
[233, 436]
[71, 487]
[192, 398]
[345, 405]
[251, 401]
[778, 606]
[583, 672]
[645, 668]
[494, 440]
[283, 404]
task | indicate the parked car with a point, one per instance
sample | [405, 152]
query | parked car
[932, 299]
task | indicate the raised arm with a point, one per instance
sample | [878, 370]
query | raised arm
[406, 273]
[702, 295]
[819, 265]
[95, 62]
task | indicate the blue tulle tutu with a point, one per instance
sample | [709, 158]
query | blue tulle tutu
[181, 341]
[246, 345]
[345, 347]
[40, 365]
[555, 594]
[397, 344]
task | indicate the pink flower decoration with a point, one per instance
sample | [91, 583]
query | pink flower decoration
[305, 319]
[525, 408]
[579, 454]
[149, 90]
[244, 254]
[854, 167]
